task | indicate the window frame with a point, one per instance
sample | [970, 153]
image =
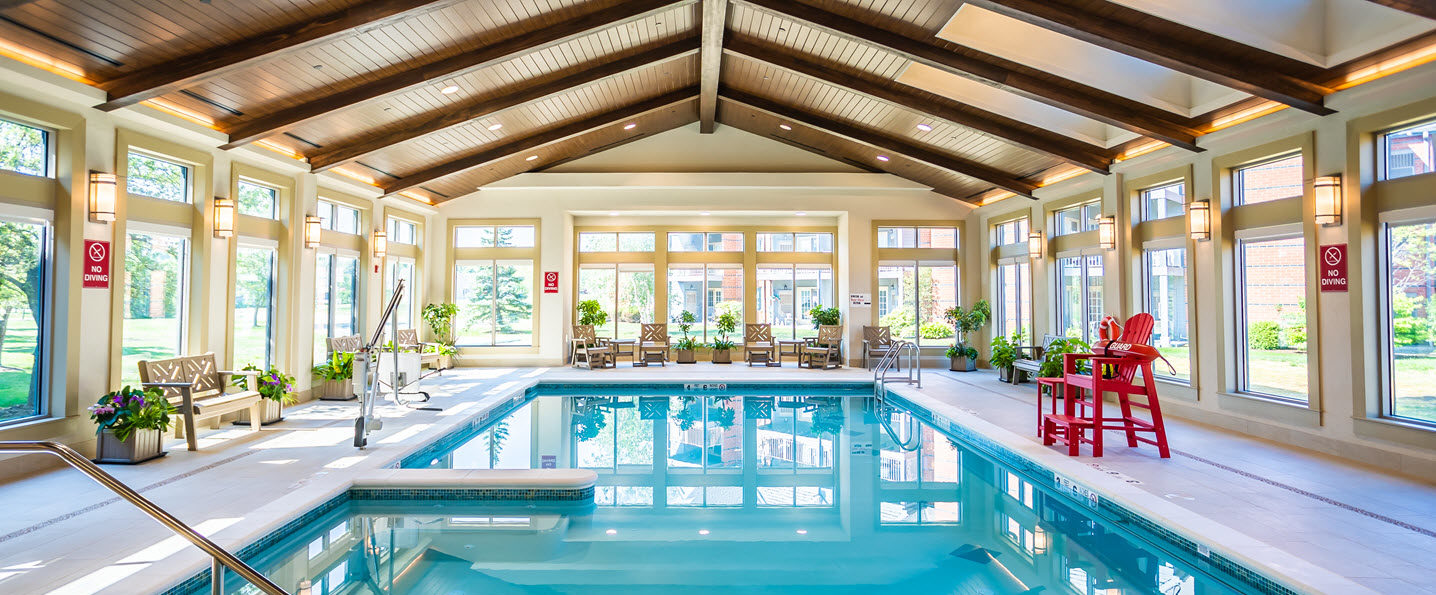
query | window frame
[1089, 327]
[182, 302]
[1386, 382]
[1147, 189]
[44, 327]
[495, 254]
[1144, 285]
[1239, 171]
[272, 349]
[48, 135]
[190, 171]
[1383, 147]
[1239, 288]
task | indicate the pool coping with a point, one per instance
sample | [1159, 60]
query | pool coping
[1261, 559]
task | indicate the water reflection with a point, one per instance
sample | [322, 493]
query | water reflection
[761, 493]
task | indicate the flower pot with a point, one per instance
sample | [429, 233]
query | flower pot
[963, 364]
[684, 356]
[270, 411]
[141, 446]
[336, 390]
[722, 356]
[1005, 373]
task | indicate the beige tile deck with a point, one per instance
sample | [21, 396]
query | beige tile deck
[58, 534]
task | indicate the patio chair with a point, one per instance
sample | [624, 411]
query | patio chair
[824, 351]
[758, 345]
[587, 348]
[653, 344]
[878, 342]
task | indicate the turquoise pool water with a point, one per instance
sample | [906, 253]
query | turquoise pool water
[747, 489]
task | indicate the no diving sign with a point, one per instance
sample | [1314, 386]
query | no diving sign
[97, 264]
[1333, 267]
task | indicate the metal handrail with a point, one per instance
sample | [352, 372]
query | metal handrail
[220, 557]
[892, 356]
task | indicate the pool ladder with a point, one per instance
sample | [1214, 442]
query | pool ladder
[220, 557]
[893, 357]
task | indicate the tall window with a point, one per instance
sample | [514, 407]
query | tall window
[626, 293]
[1079, 300]
[403, 232]
[496, 302]
[788, 293]
[24, 251]
[612, 435]
[338, 217]
[398, 269]
[24, 149]
[1411, 320]
[705, 434]
[336, 286]
[1165, 292]
[1014, 298]
[1275, 179]
[254, 306]
[912, 298]
[156, 288]
[1076, 219]
[1409, 151]
[1164, 201]
[1010, 232]
[1272, 307]
[157, 178]
[258, 201]
[708, 291]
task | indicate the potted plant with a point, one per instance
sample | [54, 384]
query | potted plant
[1052, 357]
[590, 312]
[828, 316]
[131, 423]
[722, 346]
[276, 389]
[962, 355]
[440, 318]
[1004, 354]
[683, 349]
[338, 376]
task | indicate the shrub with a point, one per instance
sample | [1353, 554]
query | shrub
[1004, 350]
[936, 330]
[130, 409]
[1295, 335]
[899, 321]
[1264, 335]
[828, 316]
[591, 313]
[1052, 357]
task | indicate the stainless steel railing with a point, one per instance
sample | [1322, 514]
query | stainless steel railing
[221, 558]
[893, 356]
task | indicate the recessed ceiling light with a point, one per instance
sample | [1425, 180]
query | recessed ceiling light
[449, 89]
[785, 127]
[801, 213]
[924, 127]
[613, 213]
[882, 158]
[706, 213]
[495, 126]
[702, 531]
[531, 158]
[630, 126]
[802, 531]
[612, 531]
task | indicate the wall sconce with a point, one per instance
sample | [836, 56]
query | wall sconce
[223, 218]
[1034, 245]
[102, 197]
[381, 245]
[1199, 220]
[1107, 232]
[1328, 199]
[312, 230]
[1041, 541]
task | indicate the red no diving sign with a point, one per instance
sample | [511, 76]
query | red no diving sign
[1333, 267]
[97, 264]
[550, 282]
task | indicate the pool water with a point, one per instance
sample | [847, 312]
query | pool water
[757, 491]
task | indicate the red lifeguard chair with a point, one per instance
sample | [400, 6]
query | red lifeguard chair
[1082, 419]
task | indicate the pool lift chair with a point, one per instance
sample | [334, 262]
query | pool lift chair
[381, 369]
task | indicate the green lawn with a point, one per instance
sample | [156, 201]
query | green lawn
[146, 339]
[17, 363]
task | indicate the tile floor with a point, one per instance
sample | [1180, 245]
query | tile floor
[61, 533]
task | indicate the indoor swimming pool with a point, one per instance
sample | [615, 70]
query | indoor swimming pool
[751, 488]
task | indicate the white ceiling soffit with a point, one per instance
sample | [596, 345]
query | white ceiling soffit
[1322, 32]
[1079, 61]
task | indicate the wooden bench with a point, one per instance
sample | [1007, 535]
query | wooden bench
[195, 386]
[409, 339]
[1029, 358]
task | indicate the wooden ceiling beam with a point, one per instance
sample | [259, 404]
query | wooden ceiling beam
[1016, 78]
[1425, 8]
[186, 71]
[428, 123]
[715, 22]
[1176, 46]
[1070, 150]
[500, 51]
[952, 163]
[538, 139]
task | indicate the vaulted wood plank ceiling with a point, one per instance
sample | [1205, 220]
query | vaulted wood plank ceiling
[436, 98]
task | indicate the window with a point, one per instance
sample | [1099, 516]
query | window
[705, 434]
[1411, 320]
[1083, 217]
[490, 236]
[1409, 151]
[156, 288]
[403, 232]
[919, 513]
[157, 178]
[1079, 296]
[24, 251]
[787, 293]
[336, 284]
[24, 149]
[1165, 283]
[913, 299]
[338, 217]
[257, 201]
[686, 241]
[615, 242]
[626, 293]
[936, 464]
[612, 434]
[1272, 325]
[401, 269]
[1010, 232]
[1164, 201]
[794, 434]
[1014, 298]
[496, 303]
[918, 237]
[795, 242]
[1270, 180]
[254, 274]
[707, 291]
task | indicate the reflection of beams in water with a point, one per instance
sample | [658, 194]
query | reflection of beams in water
[914, 433]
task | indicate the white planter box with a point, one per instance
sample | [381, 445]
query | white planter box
[142, 446]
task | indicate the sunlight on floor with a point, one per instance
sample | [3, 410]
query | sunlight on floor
[138, 561]
[308, 439]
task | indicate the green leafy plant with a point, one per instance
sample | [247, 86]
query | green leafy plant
[440, 318]
[936, 330]
[441, 349]
[685, 324]
[590, 312]
[956, 351]
[828, 316]
[129, 409]
[588, 420]
[968, 321]
[1264, 335]
[724, 416]
[272, 384]
[689, 412]
[339, 367]
[1052, 357]
[1005, 349]
[727, 324]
